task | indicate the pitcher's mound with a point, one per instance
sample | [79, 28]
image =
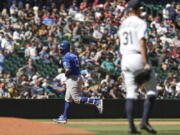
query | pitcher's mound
[18, 126]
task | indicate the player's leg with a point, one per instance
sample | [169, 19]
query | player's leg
[86, 100]
[147, 108]
[148, 104]
[131, 96]
[63, 118]
[131, 65]
[68, 99]
[66, 108]
[97, 102]
[76, 95]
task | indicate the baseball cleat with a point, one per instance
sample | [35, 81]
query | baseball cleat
[133, 131]
[100, 106]
[61, 119]
[148, 128]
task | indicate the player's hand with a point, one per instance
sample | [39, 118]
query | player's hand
[147, 67]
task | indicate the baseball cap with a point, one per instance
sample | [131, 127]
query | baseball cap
[133, 4]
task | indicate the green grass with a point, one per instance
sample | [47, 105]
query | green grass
[112, 119]
[122, 129]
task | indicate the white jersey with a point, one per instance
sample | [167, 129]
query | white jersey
[132, 30]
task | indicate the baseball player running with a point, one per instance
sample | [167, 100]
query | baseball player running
[73, 83]
[135, 65]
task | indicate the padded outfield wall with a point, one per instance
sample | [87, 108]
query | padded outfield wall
[51, 108]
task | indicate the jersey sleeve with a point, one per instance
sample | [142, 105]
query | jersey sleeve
[142, 32]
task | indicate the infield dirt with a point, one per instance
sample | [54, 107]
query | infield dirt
[18, 126]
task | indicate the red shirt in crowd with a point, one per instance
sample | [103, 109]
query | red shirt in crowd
[95, 4]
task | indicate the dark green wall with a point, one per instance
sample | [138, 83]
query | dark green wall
[51, 108]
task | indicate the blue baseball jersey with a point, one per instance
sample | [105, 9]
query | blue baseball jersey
[71, 62]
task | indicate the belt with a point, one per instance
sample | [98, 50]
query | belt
[74, 77]
[126, 52]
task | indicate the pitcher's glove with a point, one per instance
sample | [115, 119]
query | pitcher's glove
[143, 77]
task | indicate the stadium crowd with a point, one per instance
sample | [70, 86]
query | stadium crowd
[35, 31]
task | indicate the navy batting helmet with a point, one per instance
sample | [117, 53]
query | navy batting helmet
[64, 47]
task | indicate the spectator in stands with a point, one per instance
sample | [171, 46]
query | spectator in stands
[168, 88]
[178, 89]
[3, 91]
[2, 59]
[31, 51]
[155, 24]
[117, 62]
[97, 34]
[165, 12]
[108, 65]
[77, 32]
[172, 11]
[114, 92]
[178, 18]
[37, 92]
[160, 90]
[12, 89]
[108, 80]
[58, 88]
[176, 41]
[104, 90]
[36, 30]
[95, 4]
[13, 8]
[6, 43]
[29, 69]
[68, 29]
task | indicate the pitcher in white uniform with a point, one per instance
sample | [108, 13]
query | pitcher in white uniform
[135, 65]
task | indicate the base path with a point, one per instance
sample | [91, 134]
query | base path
[122, 122]
[17, 126]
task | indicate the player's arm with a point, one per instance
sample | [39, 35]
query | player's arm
[143, 46]
[67, 67]
[143, 50]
